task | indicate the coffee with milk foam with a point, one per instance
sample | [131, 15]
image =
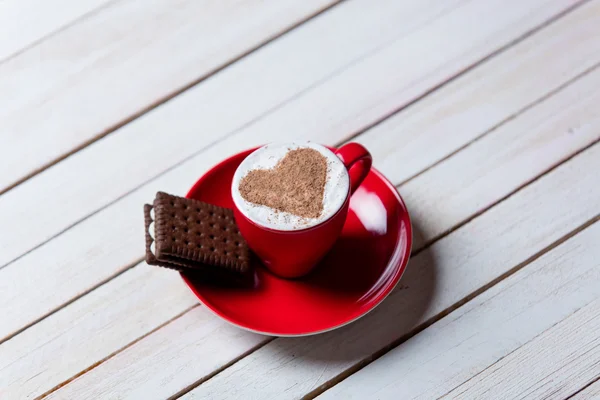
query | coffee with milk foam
[335, 190]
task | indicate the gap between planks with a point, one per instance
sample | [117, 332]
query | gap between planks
[577, 324]
[583, 389]
[500, 200]
[499, 124]
[220, 369]
[538, 335]
[56, 31]
[74, 299]
[111, 355]
[495, 362]
[499, 361]
[161, 100]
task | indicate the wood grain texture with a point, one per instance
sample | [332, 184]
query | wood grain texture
[25, 22]
[485, 97]
[384, 81]
[102, 71]
[508, 334]
[110, 240]
[435, 279]
[552, 366]
[189, 349]
[591, 392]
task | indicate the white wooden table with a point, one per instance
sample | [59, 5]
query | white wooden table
[485, 113]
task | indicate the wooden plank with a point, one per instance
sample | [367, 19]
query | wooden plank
[554, 365]
[294, 364]
[97, 74]
[489, 337]
[589, 393]
[436, 280]
[70, 198]
[25, 22]
[109, 241]
[484, 98]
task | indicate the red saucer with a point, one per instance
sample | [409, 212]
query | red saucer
[360, 271]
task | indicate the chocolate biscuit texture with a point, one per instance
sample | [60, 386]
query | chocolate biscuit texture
[185, 234]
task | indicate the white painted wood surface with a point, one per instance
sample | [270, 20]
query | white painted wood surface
[180, 355]
[554, 365]
[437, 279]
[499, 334]
[82, 318]
[110, 239]
[101, 323]
[105, 69]
[25, 22]
[589, 393]
[505, 159]
[445, 46]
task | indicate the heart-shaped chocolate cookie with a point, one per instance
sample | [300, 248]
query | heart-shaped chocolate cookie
[295, 185]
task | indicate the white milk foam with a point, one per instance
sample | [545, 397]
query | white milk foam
[336, 187]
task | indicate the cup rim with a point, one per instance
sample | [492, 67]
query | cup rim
[288, 231]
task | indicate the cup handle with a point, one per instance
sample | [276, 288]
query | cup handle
[358, 162]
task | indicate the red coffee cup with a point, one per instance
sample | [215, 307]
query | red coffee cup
[294, 253]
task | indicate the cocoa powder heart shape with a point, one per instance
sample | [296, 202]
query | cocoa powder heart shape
[295, 185]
